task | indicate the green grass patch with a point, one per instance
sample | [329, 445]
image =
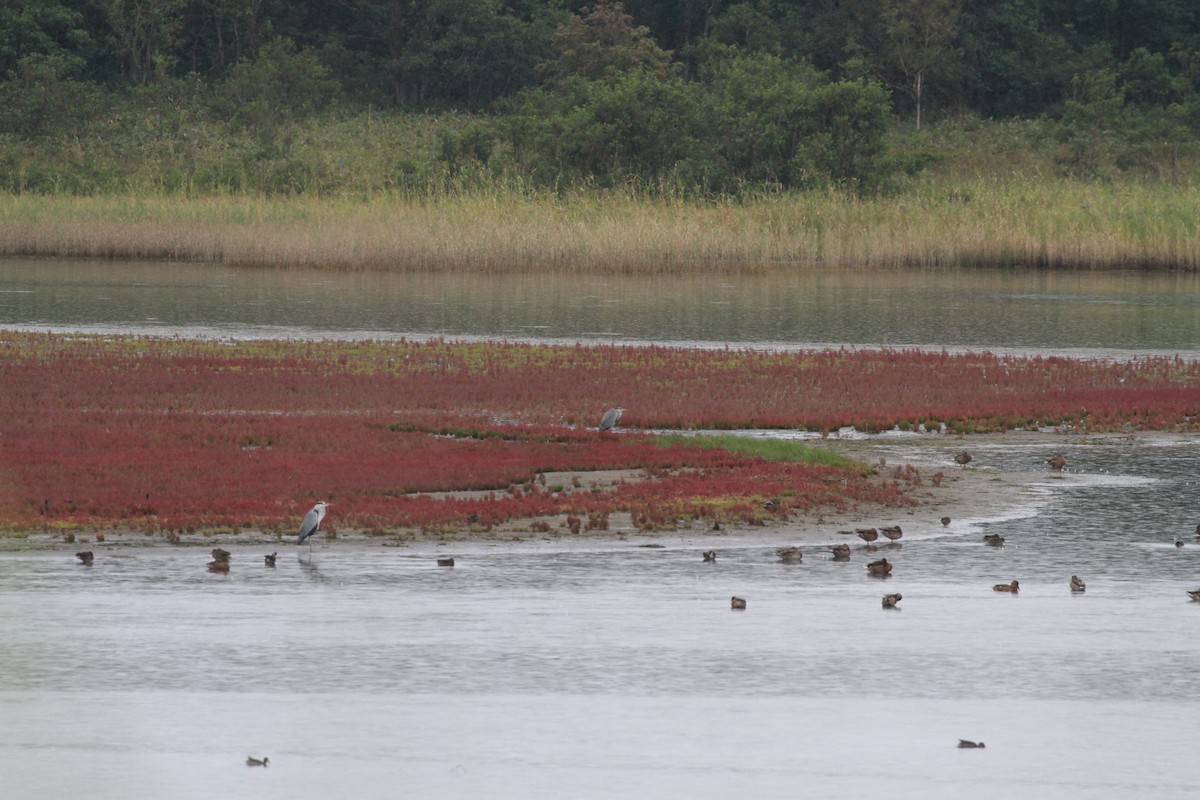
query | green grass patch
[769, 449]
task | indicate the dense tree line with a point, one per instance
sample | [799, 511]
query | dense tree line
[709, 94]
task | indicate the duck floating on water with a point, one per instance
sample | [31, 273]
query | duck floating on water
[994, 539]
[841, 552]
[1013, 587]
[710, 556]
[737, 603]
[220, 555]
[967, 744]
[890, 600]
[790, 555]
[1057, 462]
[251, 761]
[269, 559]
[880, 568]
[86, 557]
[1077, 585]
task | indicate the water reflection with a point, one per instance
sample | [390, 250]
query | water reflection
[1003, 311]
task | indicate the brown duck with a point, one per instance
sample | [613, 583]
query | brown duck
[880, 568]
[1013, 587]
[790, 555]
[867, 534]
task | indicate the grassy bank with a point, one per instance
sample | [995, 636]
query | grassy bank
[952, 221]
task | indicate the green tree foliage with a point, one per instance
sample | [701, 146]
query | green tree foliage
[42, 28]
[278, 86]
[604, 44]
[779, 122]
[41, 100]
[144, 34]
[919, 37]
[718, 95]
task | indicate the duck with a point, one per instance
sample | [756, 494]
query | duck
[963, 458]
[880, 568]
[710, 556]
[86, 557]
[220, 555]
[445, 562]
[1194, 594]
[738, 603]
[841, 552]
[867, 534]
[218, 566]
[994, 539]
[1179, 542]
[790, 555]
[892, 532]
[1077, 585]
[269, 559]
[1013, 587]
[890, 600]
[945, 520]
[251, 761]
[1057, 462]
[967, 743]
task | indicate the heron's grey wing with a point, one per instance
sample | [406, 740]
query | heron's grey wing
[609, 419]
[309, 526]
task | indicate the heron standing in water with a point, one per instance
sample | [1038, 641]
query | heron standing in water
[312, 522]
[610, 418]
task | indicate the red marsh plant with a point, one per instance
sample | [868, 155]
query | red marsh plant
[179, 434]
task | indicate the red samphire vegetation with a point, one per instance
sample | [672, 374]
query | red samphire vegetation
[181, 434]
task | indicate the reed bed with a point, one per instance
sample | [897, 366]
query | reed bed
[1040, 223]
[167, 434]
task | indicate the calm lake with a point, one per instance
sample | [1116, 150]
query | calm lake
[1077, 313]
[604, 669]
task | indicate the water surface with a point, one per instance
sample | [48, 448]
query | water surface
[604, 669]
[1022, 311]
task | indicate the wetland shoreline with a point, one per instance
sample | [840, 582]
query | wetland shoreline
[967, 496]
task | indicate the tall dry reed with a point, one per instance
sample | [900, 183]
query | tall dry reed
[1035, 223]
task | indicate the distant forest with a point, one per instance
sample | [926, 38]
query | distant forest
[711, 95]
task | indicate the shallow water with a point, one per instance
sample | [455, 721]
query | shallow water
[1118, 314]
[602, 669]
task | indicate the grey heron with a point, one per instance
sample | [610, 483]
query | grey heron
[610, 418]
[312, 522]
